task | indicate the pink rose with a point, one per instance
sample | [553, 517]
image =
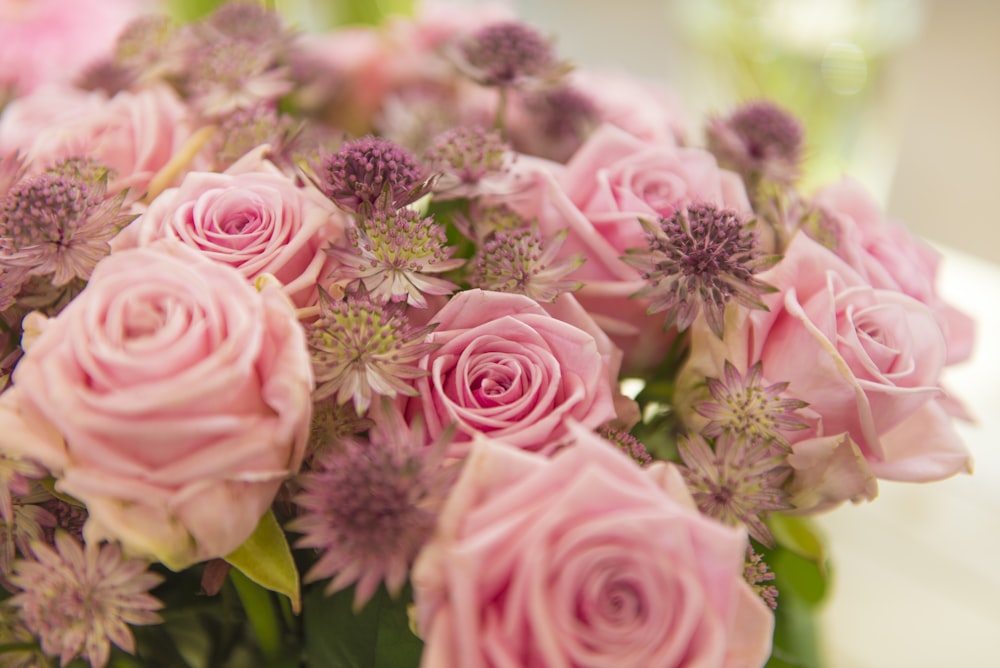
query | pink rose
[889, 256]
[134, 133]
[170, 397]
[867, 360]
[509, 369]
[253, 218]
[584, 560]
[599, 196]
[52, 41]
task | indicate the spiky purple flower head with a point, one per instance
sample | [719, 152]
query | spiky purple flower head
[59, 222]
[464, 155]
[744, 407]
[228, 73]
[148, 48]
[370, 506]
[504, 53]
[361, 347]
[562, 118]
[393, 255]
[520, 262]
[700, 258]
[371, 174]
[760, 140]
[736, 481]
[245, 129]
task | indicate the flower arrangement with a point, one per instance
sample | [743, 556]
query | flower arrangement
[412, 345]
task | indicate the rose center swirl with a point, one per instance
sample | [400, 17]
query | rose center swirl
[494, 382]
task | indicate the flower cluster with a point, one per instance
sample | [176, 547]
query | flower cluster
[411, 343]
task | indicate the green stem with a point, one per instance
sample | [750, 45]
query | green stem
[11, 647]
[498, 123]
[259, 607]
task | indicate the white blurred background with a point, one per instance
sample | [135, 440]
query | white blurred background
[916, 581]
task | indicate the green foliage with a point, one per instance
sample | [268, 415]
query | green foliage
[377, 636]
[266, 558]
[801, 574]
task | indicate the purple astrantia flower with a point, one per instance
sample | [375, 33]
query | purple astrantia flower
[361, 347]
[742, 406]
[519, 262]
[506, 53]
[231, 73]
[247, 128]
[393, 255]
[59, 222]
[759, 140]
[370, 506]
[371, 174]
[148, 48]
[699, 259]
[736, 480]
[463, 156]
[78, 600]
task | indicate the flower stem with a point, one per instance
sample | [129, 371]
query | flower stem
[11, 647]
[259, 607]
[498, 123]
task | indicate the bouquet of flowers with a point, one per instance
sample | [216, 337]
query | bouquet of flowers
[410, 344]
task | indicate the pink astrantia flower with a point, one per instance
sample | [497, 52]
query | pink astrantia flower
[170, 397]
[583, 559]
[251, 217]
[78, 600]
[507, 368]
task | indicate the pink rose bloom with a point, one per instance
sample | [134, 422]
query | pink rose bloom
[53, 41]
[582, 560]
[868, 362]
[253, 218]
[509, 369]
[599, 196]
[890, 257]
[170, 397]
[134, 133]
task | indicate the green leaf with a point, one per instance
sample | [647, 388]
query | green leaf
[798, 576]
[378, 636]
[796, 637]
[189, 10]
[266, 558]
[800, 536]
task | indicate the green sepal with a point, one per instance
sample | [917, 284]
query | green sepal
[266, 558]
